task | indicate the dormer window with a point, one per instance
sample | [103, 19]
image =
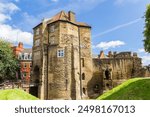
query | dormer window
[22, 56]
[25, 56]
[30, 56]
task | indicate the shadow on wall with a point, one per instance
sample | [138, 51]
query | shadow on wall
[95, 85]
[34, 89]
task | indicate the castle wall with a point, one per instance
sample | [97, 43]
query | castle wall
[63, 67]
[120, 68]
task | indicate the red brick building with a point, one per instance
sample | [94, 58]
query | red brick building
[24, 56]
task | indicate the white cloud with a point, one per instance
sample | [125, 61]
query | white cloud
[11, 34]
[146, 59]
[117, 27]
[8, 8]
[8, 32]
[110, 44]
[3, 18]
[144, 55]
[141, 50]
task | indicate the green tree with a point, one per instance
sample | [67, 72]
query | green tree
[147, 30]
[8, 62]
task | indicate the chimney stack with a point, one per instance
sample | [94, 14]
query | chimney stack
[101, 54]
[110, 54]
[71, 16]
[20, 45]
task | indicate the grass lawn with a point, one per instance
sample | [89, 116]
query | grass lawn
[15, 94]
[133, 89]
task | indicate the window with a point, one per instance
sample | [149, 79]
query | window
[84, 91]
[22, 56]
[30, 65]
[60, 53]
[24, 74]
[25, 65]
[96, 88]
[29, 56]
[107, 74]
[52, 28]
[25, 56]
[83, 76]
[82, 62]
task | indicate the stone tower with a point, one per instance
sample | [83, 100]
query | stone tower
[62, 59]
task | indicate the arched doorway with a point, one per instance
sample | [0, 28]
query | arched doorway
[35, 84]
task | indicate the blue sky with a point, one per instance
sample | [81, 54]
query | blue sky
[117, 25]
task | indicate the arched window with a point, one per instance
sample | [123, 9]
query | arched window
[84, 91]
[107, 74]
[96, 88]
[26, 56]
[23, 56]
[107, 85]
[83, 76]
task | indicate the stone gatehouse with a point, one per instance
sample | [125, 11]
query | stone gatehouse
[63, 67]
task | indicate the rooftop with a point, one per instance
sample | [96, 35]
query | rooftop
[27, 50]
[63, 16]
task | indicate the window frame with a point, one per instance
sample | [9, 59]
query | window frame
[60, 53]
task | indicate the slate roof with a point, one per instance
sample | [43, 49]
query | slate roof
[27, 50]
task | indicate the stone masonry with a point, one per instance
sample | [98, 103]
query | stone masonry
[63, 67]
[62, 57]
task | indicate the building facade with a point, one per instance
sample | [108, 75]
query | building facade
[62, 60]
[63, 67]
[24, 56]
